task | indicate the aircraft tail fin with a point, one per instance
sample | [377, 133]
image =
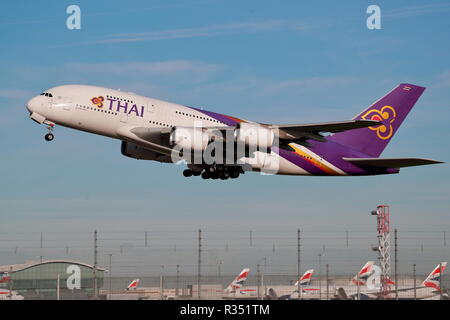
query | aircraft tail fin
[361, 277]
[433, 279]
[391, 110]
[305, 279]
[133, 285]
[238, 282]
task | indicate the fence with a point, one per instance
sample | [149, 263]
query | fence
[153, 255]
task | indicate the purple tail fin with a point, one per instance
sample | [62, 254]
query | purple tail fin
[391, 110]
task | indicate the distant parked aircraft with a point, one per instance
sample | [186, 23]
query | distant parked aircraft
[133, 285]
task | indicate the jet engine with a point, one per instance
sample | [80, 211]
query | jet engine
[254, 136]
[132, 150]
[189, 138]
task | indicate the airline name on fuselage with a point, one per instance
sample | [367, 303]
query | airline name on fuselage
[118, 106]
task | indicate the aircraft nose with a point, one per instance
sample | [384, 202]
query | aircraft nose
[32, 105]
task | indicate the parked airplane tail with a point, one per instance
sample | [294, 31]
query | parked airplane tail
[305, 279]
[133, 284]
[238, 282]
[4, 277]
[391, 110]
[361, 277]
[433, 280]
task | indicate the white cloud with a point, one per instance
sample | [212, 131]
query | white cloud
[206, 31]
[417, 10]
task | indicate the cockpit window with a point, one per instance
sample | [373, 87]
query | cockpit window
[46, 94]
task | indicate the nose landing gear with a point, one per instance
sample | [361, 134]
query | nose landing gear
[49, 136]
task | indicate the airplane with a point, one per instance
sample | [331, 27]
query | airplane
[432, 281]
[305, 286]
[215, 145]
[133, 285]
[236, 286]
[4, 277]
[10, 295]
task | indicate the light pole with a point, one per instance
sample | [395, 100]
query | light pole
[327, 282]
[178, 279]
[414, 276]
[262, 277]
[219, 273]
[320, 275]
[259, 277]
[110, 268]
[161, 283]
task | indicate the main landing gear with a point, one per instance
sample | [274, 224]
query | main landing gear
[216, 172]
[50, 136]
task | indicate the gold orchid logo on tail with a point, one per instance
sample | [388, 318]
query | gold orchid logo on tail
[387, 116]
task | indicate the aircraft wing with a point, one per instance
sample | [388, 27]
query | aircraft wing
[390, 162]
[150, 138]
[312, 130]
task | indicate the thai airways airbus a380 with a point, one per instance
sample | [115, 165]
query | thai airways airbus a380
[216, 146]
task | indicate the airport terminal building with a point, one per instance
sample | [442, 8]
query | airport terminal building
[51, 279]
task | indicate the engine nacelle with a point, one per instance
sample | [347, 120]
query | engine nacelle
[132, 150]
[254, 136]
[189, 138]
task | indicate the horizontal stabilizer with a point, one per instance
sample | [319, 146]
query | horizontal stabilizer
[390, 162]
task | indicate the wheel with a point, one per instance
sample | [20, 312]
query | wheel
[234, 174]
[205, 175]
[49, 137]
[196, 173]
[187, 173]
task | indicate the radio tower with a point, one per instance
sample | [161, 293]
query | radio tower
[384, 252]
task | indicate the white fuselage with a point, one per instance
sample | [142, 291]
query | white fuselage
[105, 111]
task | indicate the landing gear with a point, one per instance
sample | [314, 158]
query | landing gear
[216, 172]
[206, 175]
[187, 173]
[49, 137]
[234, 174]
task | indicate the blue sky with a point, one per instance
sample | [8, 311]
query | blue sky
[289, 62]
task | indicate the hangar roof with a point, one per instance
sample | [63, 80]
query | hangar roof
[29, 264]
